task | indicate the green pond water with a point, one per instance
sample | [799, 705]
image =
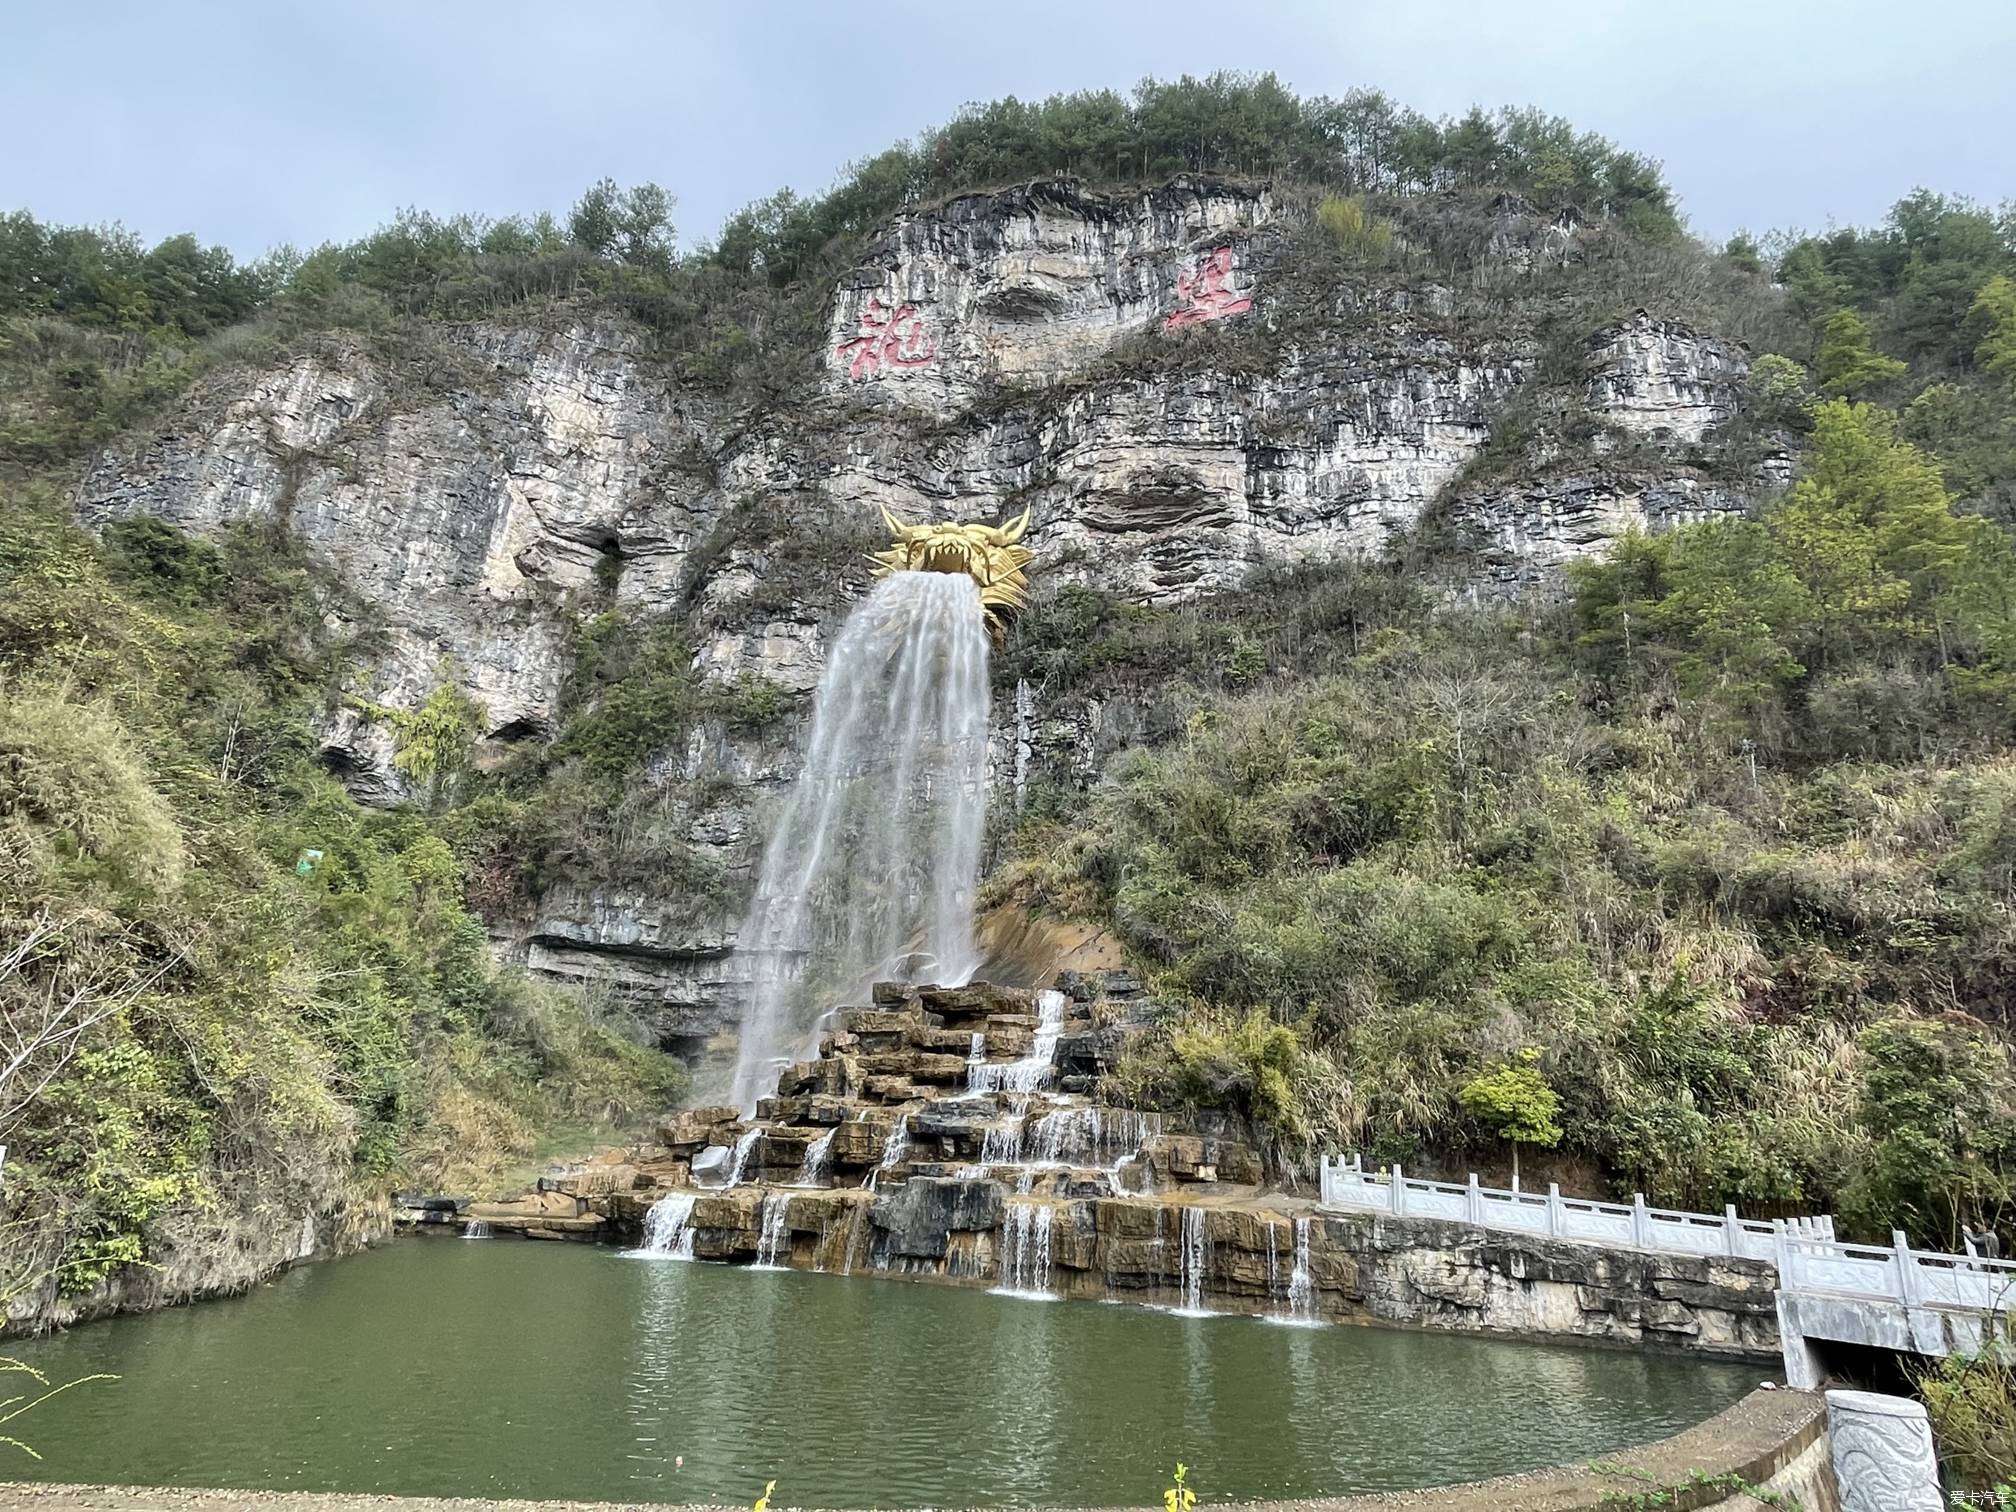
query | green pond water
[503, 1368]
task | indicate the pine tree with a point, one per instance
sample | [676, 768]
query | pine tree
[1995, 307]
[1849, 363]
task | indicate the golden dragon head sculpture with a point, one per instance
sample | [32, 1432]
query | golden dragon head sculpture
[990, 554]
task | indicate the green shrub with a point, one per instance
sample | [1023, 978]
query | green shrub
[73, 789]
[1971, 1399]
[1353, 229]
[1246, 1063]
[269, 1038]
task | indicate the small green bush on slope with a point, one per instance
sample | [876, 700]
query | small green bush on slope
[269, 1040]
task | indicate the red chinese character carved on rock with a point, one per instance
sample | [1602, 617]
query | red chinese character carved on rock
[892, 336]
[1202, 295]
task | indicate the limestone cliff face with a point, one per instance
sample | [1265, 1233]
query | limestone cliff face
[462, 515]
[1032, 284]
[1153, 374]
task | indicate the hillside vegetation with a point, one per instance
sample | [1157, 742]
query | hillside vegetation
[217, 1027]
[1726, 839]
[1718, 847]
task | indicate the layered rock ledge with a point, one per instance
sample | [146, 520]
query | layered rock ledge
[950, 1134]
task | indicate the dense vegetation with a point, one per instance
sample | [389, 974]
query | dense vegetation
[1722, 846]
[232, 993]
[1719, 844]
[1716, 854]
[1920, 314]
[1226, 123]
[99, 330]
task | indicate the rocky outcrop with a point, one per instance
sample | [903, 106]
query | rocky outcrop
[525, 463]
[1153, 374]
[1662, 378]
[930, 1138]
[263, 1227]
[675, 967]
[460, 504]
[1031, 284]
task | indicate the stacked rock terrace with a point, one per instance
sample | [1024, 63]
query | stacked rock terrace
[951, 1131]
[954, 1133]
[973, 1082]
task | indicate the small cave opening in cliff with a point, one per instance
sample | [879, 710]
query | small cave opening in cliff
[514, 730]
[362, 778]
[609, 562]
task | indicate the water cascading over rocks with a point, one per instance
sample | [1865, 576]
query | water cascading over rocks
[871, 867]
[668, 1227]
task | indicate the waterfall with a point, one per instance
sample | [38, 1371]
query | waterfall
[818, 1160]
[1032, 1071]
[771, 1241]
[1025, 1250]
[1066, 1133]
[1001, 1144]
[1106, 1137]
[1301, 1286]
[893, 1151]
[475, 1228]
[853, 1236]
[877, 850]
[668, 1227]
[740, 1159]
[1196, 1257]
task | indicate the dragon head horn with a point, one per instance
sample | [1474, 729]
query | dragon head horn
[896, 526]
[1009, 534]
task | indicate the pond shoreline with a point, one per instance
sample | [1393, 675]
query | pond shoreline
[1527, 1321]
[556, 1372]
[1772, 1440]
[1429, 1275]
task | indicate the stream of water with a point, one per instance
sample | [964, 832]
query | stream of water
[510, 1369]
[877, 850]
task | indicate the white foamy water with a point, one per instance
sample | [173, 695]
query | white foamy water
[1195, 1256]
[877, 851]
[1032, 1072]
[1025, 1251]
[668, 1228]
[738, 1162]
[818, 1160]
[1300, 1309]
[1301, 1284]
[772, 1238]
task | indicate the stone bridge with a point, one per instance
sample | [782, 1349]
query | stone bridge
[1890, 1298]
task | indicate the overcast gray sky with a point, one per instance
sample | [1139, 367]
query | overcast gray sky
[254, 122]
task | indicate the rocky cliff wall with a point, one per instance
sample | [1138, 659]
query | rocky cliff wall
[1421, 1273]
[1159, 376]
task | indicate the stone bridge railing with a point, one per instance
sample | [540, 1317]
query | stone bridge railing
[1886, 1297]
[1633, 1225]
[1893, 1273]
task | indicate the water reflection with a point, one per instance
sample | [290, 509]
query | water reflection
[554, 1371]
